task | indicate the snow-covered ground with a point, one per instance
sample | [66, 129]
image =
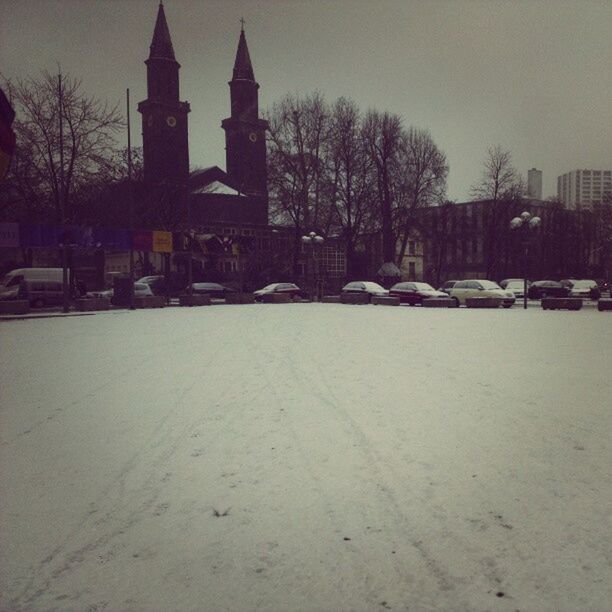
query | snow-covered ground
[307, 457]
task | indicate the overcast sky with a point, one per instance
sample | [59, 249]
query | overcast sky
[532, 76]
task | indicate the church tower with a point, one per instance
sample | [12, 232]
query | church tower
[245, 132]
[165, 145]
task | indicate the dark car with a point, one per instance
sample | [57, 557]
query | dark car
[214, 290]
[158, 283]
[447, 286]
[294, 292]
[547, 288]
[367, 287]
[413, 293]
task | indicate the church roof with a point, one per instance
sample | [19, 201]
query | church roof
[211, 180]
[243, 68]
[161, 45]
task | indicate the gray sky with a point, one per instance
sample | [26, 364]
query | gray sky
[533, 76]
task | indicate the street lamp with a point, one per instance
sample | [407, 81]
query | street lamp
[313, 239]
[525, 224]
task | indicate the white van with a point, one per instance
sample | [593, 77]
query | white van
[41, 286]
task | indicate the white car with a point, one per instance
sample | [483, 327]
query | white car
[365, 287]
[517, 288]
[584, 289]
[480, 288]
[140, 290]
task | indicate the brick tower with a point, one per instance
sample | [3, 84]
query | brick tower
[165, 145]
[245, 132]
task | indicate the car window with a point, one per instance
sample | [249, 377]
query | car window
[11, 281]
[486, 284]
[423, 287]
[461, 285]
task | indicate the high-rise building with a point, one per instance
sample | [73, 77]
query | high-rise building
[534, 184]
[582, 188]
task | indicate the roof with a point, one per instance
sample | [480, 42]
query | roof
[161, 45]
[217, 187]
[211, 180]
[243, 68]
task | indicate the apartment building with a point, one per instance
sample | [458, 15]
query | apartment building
[583, 188]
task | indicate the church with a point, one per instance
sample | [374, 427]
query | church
[226, 211]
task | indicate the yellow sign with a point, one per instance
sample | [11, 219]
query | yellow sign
[162, 242]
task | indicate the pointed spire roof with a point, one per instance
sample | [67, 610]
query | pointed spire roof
[161, 45]
[242, 66]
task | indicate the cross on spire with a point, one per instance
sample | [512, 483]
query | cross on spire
[242, 22]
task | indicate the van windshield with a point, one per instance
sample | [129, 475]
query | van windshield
[11, 279]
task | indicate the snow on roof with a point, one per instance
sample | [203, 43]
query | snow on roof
[217, 187]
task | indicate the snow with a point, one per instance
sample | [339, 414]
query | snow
[306, 457]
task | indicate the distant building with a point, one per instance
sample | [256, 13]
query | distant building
[583, 188]
[534, 184]
[226, 211]
[474, 240]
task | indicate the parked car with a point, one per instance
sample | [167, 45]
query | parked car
[447, 286]
[586, 289]
[480, 288]
[365, 287]
[504, 283]
[140, 290]
[214, 290]
[547, 288]
[413, 293]
[294, 292]
[40, 286]
[157, 283]
[516, 286]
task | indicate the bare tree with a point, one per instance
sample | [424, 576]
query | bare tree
[382, 133]
[89, 126]
[350, 188]
[427, 170]
[297, 133]
[501, 185]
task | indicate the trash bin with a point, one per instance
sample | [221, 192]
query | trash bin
[123, 288]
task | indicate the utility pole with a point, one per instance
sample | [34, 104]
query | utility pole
[131, 200]
[62, 203]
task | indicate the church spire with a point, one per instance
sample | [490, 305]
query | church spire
[161, 45]
[242, 66]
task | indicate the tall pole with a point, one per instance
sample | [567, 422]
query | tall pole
[525, 247]
[62, 203]
[189, 243]
[131, 199]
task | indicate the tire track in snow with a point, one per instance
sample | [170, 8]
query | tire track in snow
[319, 388]
[130, 508]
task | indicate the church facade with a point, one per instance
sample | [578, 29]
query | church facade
[225, 211]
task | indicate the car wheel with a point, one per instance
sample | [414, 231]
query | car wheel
[507, 305]
[457, 302]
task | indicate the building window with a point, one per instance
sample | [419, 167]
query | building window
[411, 270]
[411, 247]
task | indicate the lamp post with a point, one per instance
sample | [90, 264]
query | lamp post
[525, 224]
[313, 239]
